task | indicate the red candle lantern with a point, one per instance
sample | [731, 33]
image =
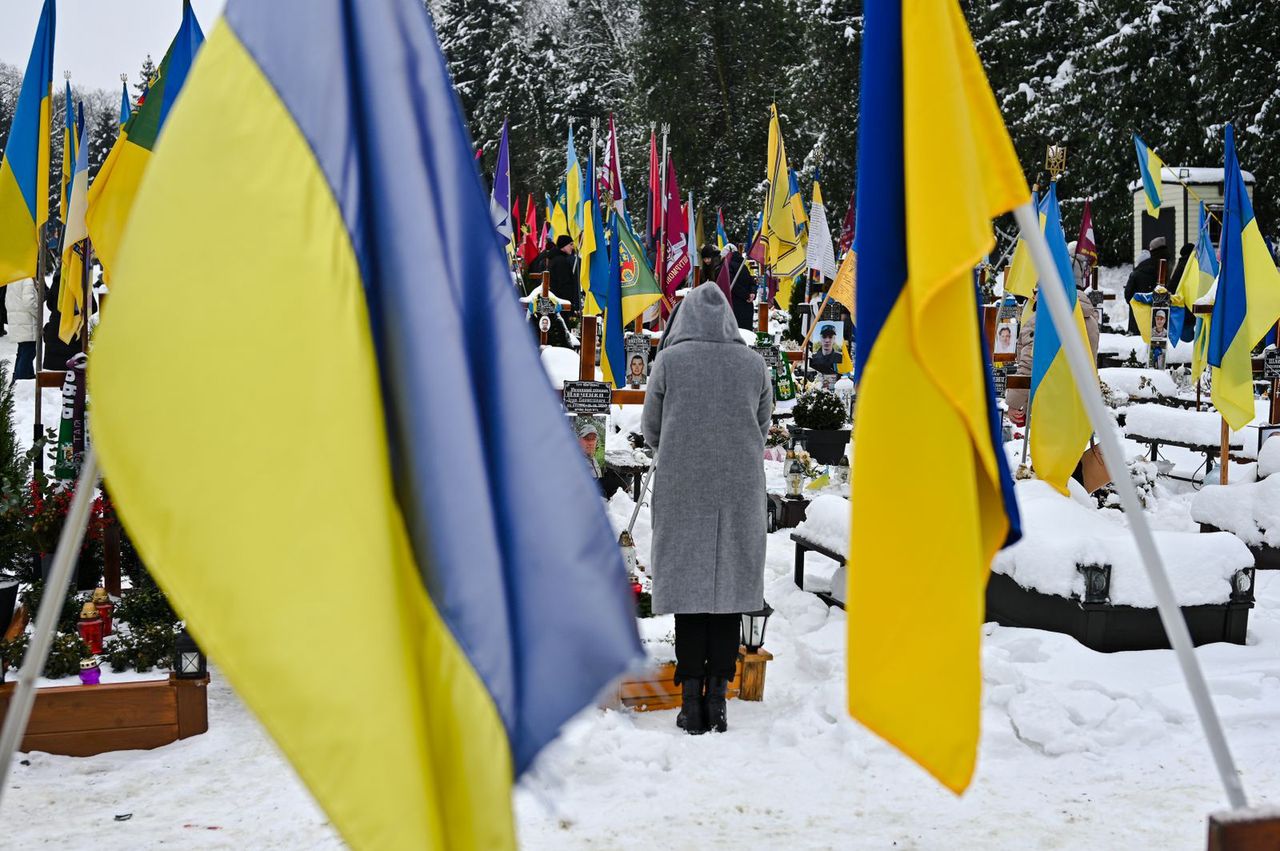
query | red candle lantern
[91, 627]
[102, 602]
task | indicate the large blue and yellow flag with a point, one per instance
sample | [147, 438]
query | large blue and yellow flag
[1248, 300]
[405, 502]
[1059, 426]
[1201, 271]
[1149, 171]
[935, 165]
[24, 173]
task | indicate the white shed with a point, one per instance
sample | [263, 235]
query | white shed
[1179, 221]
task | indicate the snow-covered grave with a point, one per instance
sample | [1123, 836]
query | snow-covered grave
[825, 530]
[1061, 536]
[1120, 348]
[1248, 510]
[1159, 424]
[1136, 384]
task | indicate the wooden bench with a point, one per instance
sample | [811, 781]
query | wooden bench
[804, 546]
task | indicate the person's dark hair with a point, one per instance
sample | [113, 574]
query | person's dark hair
[709, 252]
[563, 239]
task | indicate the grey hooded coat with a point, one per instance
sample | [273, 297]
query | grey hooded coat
[707, 412]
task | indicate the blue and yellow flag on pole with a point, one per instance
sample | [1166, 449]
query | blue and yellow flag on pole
[126, 107]
[70, 144]
[1149, 168]
[1020, 279]
[1059, 426]
[1248, 300]
[24, 173]
[282, 172]
[613, 361]
[935, 165]
[74, 246]
[573, 190]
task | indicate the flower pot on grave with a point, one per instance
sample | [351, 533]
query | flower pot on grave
[87, 574]
[826, 446]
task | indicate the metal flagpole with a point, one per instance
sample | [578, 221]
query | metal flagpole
[55, 592]
[661, 256]
[1054, 297]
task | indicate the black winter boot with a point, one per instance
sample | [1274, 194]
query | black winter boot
[717, 714]
[692, 718]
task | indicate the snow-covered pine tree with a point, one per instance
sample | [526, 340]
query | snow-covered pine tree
[1239, 67]
[146, 74]
[102, 123]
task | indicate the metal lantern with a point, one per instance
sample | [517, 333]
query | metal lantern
[189, 663]
[1242, 585]
[793, 472]
[844, 392]
[1097, 582]
[842, 470]
[753, 624]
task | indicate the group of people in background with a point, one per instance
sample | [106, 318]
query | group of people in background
[20, 323]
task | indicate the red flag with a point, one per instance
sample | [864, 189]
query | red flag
[530, 248]
[1085, 243]
[846, 230]
[675, 235]
[724, 282]
[655, 193]
[612, 177]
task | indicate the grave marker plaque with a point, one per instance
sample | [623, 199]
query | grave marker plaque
[587, 397]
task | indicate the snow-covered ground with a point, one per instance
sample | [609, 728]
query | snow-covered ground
[1079, 749]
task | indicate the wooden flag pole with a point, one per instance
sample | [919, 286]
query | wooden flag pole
[1085, 377]
[1225, 458]
[41, 295]
[587, 361]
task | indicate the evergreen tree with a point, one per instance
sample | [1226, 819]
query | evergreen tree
[146, 76]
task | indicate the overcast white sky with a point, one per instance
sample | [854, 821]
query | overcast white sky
[98, 40]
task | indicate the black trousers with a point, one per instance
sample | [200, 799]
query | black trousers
[706, 646]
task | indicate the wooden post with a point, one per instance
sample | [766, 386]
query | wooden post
[762, 319]
[587, 363]
[753, 667]
[546, 293]
[1225, 458]
[1244, 830]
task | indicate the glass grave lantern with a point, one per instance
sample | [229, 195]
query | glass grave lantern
[753, 625]
[793, 472]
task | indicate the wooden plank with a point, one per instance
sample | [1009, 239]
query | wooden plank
[1017, 382]
[50, 378]
[587, 361]
[92, 742]
[193, 705]
[61, 709]
[628, 397]
[1244, 831]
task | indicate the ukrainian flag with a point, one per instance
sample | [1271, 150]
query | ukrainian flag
[1059, 425]
[24, 173]
[613, 361]
[1248, 300]
[1207, 269]
[573, 190]
[70, 144]
[722, 238]
[593, 265]
[935, 165]
[401, 506]
[116, 185]
[71, 289]
[126, 108]
[1020, 280]
[1149, 166]
[781, 230]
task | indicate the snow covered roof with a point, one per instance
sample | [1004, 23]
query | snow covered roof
[1193, 175]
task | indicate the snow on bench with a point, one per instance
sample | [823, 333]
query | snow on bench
[825, 530]
[1200, 430]
[1060, 535]
[1250, 511]
[1139, 383]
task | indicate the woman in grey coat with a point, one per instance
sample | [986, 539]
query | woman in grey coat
[706, 413]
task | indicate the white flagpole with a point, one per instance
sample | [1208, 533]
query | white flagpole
[1054, 297]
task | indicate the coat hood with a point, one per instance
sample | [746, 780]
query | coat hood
[704, 316]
